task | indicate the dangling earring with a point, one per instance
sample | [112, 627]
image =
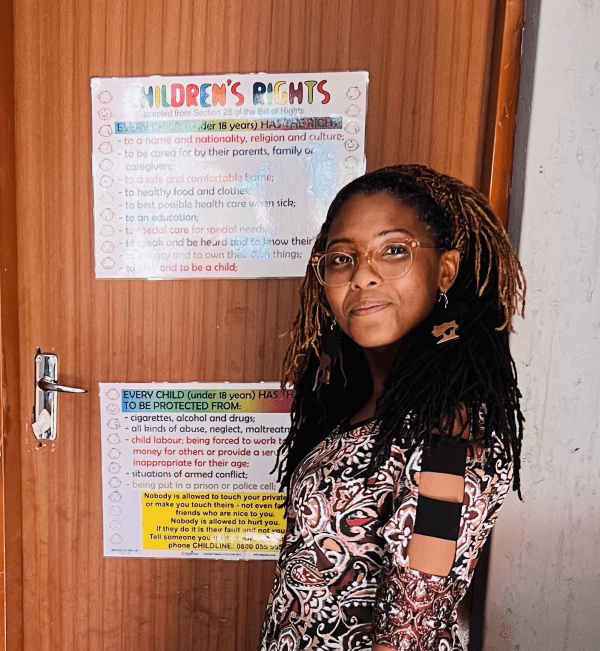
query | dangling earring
[331, 353]
[447, 331]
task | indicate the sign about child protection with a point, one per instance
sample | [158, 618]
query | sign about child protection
[220, 176]
[186, 469]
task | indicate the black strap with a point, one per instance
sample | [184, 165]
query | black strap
[448, 455]
[437, 518]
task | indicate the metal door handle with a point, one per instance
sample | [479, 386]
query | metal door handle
[49, 385]
[46, 388]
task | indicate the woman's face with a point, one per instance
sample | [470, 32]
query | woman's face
[374, 312]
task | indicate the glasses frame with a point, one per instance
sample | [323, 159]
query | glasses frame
[369, 255]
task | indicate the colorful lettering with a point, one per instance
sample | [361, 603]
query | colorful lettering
[204, 96]
[326, 95]
[219, 94]
[238, 95]
[177, 95]
[192, 95]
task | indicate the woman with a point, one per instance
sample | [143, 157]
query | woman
[406, 425]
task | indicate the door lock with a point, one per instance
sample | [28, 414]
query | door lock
[46, 389]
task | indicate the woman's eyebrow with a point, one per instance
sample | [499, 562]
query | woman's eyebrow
[401, 231]
[340, 241]
[395, 230]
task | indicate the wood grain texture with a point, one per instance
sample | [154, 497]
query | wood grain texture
[429, 69]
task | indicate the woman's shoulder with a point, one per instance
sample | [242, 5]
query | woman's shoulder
[349, 424]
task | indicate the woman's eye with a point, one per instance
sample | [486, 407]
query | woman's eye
[339, 260]
[395, 251]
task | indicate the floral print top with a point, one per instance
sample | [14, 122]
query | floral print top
[342, 580]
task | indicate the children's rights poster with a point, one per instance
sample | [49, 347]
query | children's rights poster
[224, 176]
[186, 469]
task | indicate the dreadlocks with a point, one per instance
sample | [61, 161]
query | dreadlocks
[473, 375]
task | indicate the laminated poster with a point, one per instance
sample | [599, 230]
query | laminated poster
[220, 176]
[186, 469]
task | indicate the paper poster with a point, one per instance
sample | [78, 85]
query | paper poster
[186, 469]
[220, 176]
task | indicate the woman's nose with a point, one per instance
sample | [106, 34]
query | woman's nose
[364, 272]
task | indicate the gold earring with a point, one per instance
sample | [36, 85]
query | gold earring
[447, 331]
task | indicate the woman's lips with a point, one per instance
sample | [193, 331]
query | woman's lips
[369, 308]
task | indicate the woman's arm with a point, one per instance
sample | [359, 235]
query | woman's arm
[441, 486]
[431, 553]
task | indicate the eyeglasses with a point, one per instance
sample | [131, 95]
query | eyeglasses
[392, 260]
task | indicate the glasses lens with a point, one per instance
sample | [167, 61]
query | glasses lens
[393, 260]
[336, 268]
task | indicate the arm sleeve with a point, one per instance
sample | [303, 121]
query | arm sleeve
[415, 611]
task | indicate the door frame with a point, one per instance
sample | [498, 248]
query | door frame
[495, 182]
[505, 75]
[11, 564]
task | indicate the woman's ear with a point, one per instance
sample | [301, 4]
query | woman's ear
[449, 264]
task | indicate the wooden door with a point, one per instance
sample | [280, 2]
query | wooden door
[433, 94]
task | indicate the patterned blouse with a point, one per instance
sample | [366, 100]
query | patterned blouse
[342, 580]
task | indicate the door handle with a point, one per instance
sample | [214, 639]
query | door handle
[46, 400]
[48, 385]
